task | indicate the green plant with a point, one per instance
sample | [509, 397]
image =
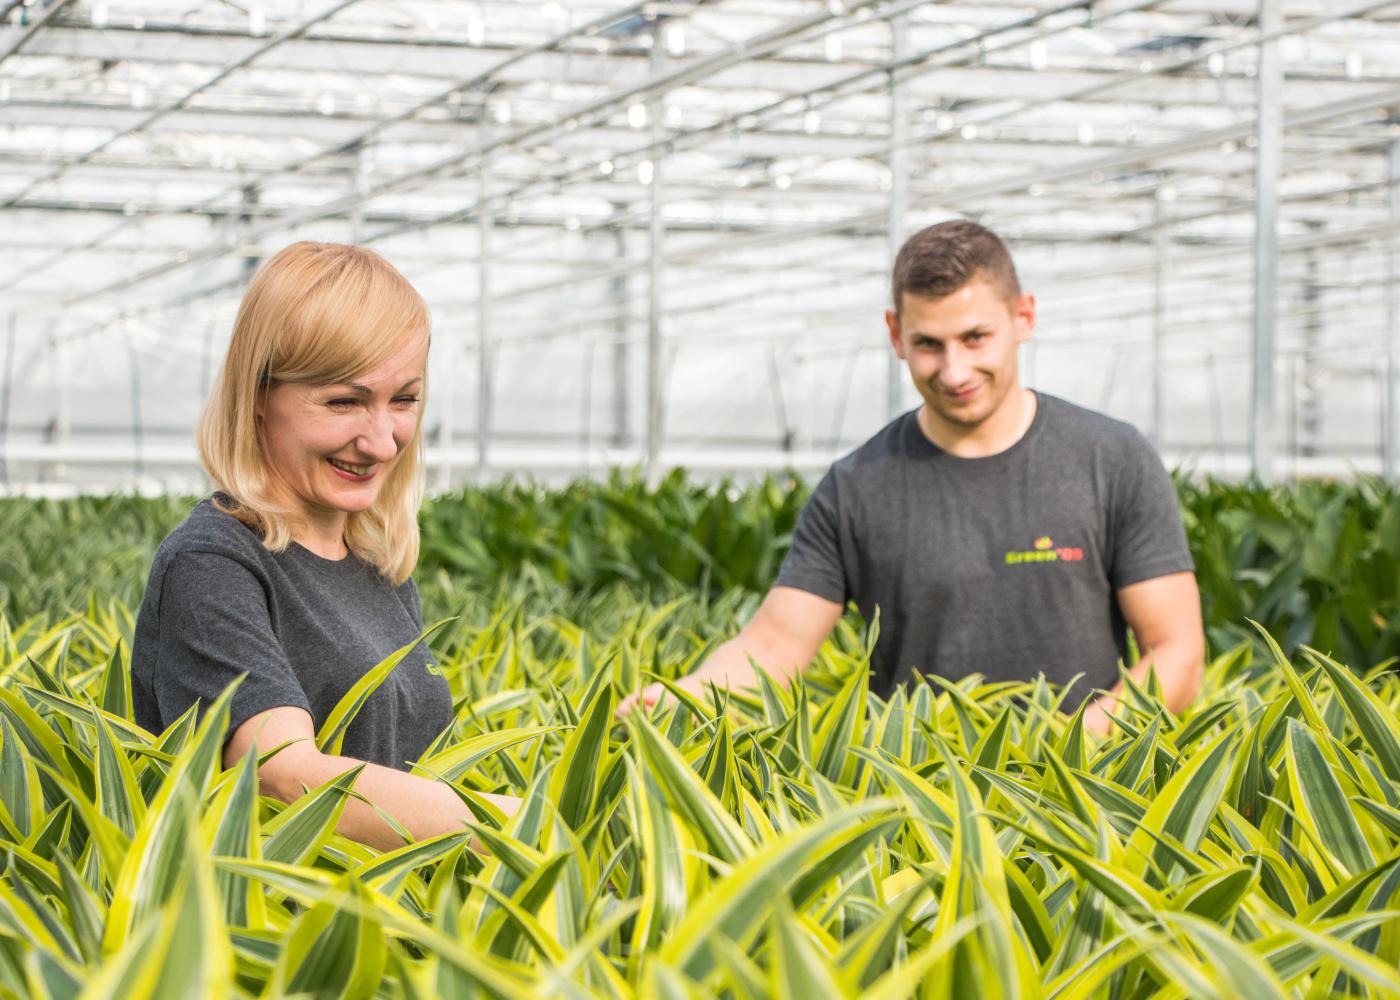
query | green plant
[960, 839]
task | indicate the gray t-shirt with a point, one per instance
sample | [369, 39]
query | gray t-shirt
[1004, 566]
[303, 628]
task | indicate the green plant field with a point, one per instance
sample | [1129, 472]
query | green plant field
[958, 841]
[1318, 563]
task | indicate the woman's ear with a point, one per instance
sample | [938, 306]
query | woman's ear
[260, 396]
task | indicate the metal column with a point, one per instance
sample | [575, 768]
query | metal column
[484, 223]
[585, 434]
[5, 400]
[656, 248]
[206, 362]
[447, 371]
[1310, 386]
[1160, 246]
[899, 192]
[1391, 461]
[62, 422]
[138, 466]
[622, 347]
[359, 185]
[1267, 160]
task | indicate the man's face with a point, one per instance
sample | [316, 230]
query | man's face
[961, 349]
[332, 446]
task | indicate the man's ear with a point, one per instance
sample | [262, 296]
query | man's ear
[1025, 317]
[896, 337]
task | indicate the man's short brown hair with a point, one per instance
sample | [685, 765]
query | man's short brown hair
[939, 260]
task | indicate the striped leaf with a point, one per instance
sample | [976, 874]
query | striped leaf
[331, 736]
[738, 906]
[1322, 805]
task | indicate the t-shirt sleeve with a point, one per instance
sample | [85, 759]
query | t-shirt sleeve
[814, 562]
[415, 603]
[1148, 537]
[214, 626]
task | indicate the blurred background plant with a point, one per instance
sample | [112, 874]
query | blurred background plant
[1316, 563]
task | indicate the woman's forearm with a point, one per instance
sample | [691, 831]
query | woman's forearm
[423, 806]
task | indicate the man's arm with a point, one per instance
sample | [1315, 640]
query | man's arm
[423, 806]
[1165, 616]
[782, 638]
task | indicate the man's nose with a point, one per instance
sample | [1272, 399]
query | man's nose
[956, 367]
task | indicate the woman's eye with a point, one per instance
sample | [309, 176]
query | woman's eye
[406, 400]
[341, 404]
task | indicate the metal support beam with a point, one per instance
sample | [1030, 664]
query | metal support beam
[585, 432]
[137, 450]
[1309, 389]
[63, 394]
[447, 385]
[899, 190]
[983, 190]
[206, 362]
[621, 380]
[27, 32]
[5, 400]
[359, 183]
[786, 433]
[1391, 460]
[172, 107]
[1160, 245]
[656, 267]
[483, 321]
[1267, 160]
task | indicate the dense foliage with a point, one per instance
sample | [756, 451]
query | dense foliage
[1318, 563]
[959, 840]
[963, 840]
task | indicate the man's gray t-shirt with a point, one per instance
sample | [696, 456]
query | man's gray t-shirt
[1004, 566]
[303, 628]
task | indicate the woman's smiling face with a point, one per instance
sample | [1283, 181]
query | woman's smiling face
[331, 447]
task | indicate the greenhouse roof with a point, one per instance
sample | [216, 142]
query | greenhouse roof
[756, 160]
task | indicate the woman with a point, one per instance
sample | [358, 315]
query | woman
[295, 572]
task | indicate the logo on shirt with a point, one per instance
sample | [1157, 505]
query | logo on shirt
[1044, 550]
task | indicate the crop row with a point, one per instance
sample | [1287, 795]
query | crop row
[1318, 563]
[958, 840]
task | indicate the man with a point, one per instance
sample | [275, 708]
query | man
[998, 530]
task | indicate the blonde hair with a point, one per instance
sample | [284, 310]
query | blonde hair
[319, 314]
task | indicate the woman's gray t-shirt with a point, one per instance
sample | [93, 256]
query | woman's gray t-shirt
[304, 629]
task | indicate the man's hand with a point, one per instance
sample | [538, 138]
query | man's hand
[1096, 718]
[656, 694]
[1165, 615]
[783, 637]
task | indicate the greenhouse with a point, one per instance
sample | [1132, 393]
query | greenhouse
[699, 498]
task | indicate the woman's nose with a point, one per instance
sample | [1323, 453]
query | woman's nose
[377, 440]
